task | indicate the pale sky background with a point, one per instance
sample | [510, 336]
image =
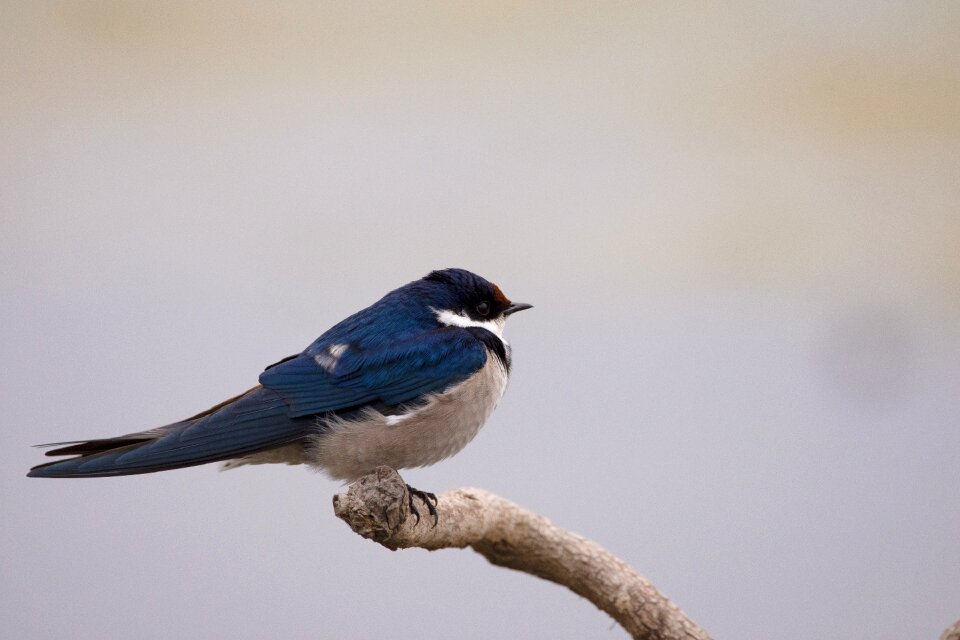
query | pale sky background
[739, 223]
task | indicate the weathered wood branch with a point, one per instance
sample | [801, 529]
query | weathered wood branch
[952, 632]
[377, 507]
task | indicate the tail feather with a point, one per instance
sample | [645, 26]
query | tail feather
[90, 447]
[255, 421]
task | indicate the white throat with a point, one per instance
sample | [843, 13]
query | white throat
[454, 319]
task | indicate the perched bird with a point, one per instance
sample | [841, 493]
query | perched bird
[405, 383]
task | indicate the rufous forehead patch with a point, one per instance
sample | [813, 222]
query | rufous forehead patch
[498, 295]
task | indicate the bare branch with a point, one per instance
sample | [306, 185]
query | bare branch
[377, 507]
[952, 632]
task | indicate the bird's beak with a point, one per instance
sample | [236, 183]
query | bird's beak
[516, 306]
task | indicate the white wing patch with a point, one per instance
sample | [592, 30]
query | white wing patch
[329, 358]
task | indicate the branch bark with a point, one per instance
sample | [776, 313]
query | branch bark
[377, 507]
[952, 632]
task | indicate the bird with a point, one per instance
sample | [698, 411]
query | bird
[405, 382]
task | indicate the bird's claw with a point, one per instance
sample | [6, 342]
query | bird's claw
[429, 499]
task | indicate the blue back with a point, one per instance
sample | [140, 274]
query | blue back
[392, 352]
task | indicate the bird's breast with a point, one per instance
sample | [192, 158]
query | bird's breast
[433, 430]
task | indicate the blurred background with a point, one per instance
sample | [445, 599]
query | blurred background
[739, 224]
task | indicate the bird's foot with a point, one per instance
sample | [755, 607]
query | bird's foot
[429, 499]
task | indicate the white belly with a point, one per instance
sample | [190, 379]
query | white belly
[428, 434]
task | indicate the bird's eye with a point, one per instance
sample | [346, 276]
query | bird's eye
[483, 308]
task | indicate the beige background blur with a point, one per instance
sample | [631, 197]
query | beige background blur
[739, 223]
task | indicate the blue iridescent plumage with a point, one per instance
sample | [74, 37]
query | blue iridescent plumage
[416, 343]
[396, 372]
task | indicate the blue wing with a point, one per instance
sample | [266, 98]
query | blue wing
[281, 410]
[254, 421]
[337, 377]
